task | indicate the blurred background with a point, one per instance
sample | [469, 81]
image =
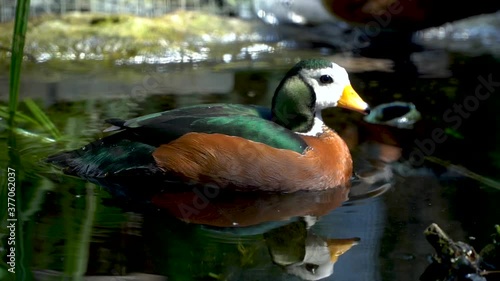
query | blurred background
[87, 60]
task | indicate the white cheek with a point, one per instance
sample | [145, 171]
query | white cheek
[327, 95]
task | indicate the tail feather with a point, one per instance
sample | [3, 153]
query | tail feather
[112, 155]
[117, 124]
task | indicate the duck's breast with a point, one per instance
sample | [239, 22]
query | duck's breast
[234, 162]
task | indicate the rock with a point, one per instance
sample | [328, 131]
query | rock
[179, 36]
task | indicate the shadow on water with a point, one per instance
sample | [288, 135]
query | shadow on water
[444, 170]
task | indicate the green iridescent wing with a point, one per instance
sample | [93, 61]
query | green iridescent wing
[249, 122]
[128, 151]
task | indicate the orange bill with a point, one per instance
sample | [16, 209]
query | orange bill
[338, 247]
[351, 100]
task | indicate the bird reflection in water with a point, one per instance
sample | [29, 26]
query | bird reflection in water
[284, 220]
[304, 254]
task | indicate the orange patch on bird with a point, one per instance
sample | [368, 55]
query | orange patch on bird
[235, 162]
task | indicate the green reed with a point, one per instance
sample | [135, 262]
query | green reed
[18, 39]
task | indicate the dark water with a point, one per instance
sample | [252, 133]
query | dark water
[445, 171]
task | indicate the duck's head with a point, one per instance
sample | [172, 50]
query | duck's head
[309, 87]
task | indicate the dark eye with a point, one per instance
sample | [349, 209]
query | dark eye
[326, 79]
[311, 267]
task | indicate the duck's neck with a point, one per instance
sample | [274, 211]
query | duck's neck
[294, 105]
[298, 122]
[318, 126]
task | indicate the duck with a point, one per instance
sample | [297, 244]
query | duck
[284, 148]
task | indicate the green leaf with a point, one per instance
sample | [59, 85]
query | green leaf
[454, 133]
[42, 118]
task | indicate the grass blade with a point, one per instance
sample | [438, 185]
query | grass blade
[19, 117]
[42, 118]
[18, 38]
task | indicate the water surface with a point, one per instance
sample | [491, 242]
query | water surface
[70, 227]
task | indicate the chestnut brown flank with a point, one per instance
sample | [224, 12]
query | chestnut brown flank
[234, 162]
